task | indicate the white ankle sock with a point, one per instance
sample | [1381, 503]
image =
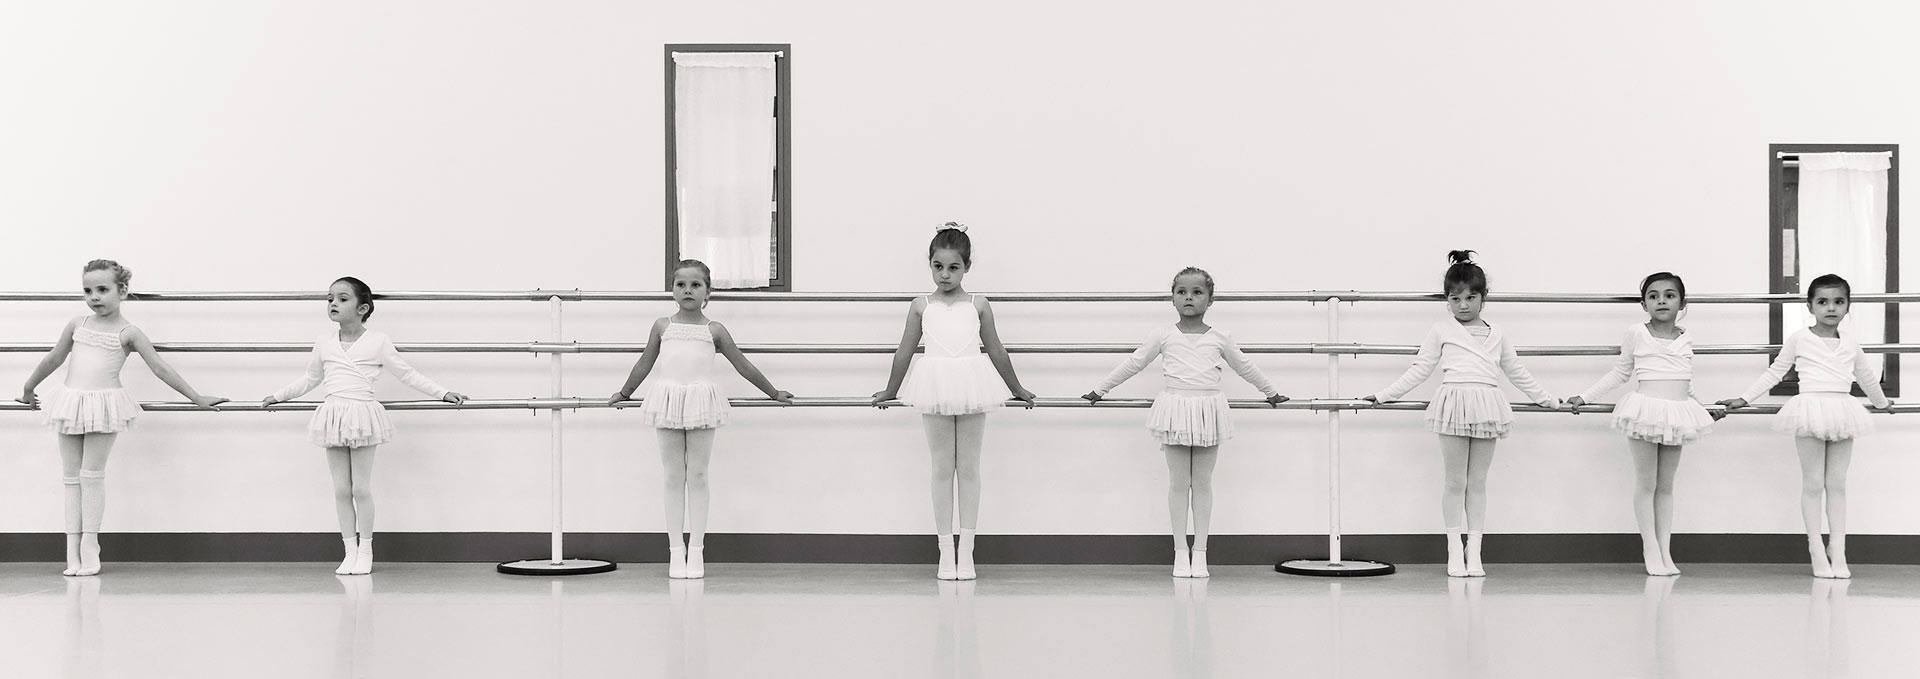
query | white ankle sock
[1474, 567]
[676, 560]
[948, 569]
[363, 557]
[352, 545]
[1200, 564]
[1182, 563]
[1818, 554]
[696, 561]
[963, 566]
[1456, 555]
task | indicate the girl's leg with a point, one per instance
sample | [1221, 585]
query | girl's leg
[1646, 477]
[1479, 460]
[1179, 481]
[340, 466]
[940, 445]
[1204, 458]
[72, 448]
[93, 498]
[1663, 505]
[1453, 499]
[673, 464]
[1813, 482]
[1839, 457]
[969, 436]
[360, 461]
[699, 453]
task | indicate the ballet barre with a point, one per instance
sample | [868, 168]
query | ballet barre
[1313, 296]
[571, 403]
[837, 348]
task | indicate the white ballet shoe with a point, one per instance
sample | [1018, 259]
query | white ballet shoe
[963, 570]
[1200, 564]
[1474, 568]
[948, 570]
[346, 563]
[677, 562]
[1181, 561]
[1837, 558]
[363, 558]
[73, 555]
[89, 555]
[696, 563]
[1655, 564]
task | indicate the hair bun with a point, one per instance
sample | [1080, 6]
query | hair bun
[957, 226]
[1460, 256]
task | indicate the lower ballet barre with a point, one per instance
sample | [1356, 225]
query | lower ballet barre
[1313, 405]
[1314, 348]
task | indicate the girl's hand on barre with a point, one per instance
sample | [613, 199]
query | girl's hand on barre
[1277, 399]
[1091, 396]
[1888, 408]
[210, 401]
[784, 397]
[1374, 400]
[619, 396]
[267, 401]
[1025, 395]
[454, 397]
[1574, 403]
[880, 398]
[1733, 403]
[32, 400]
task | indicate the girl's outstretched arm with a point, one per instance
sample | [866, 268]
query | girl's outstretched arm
[1621, 372]
[909, 340]
[1245, 368]
[723, 341]
[1423, 365]
[1789, 352]
[990, 336]
[137, 339]
[1521, 378]
[48, 364]
[390, 358]
[644, 365]
[316, 369]
[1135, 363]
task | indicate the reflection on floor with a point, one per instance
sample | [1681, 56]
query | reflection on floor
[464, 620]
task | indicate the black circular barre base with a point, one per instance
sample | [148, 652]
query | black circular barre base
[549, 567]
[1350, 568]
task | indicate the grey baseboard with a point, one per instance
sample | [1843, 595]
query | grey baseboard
[910, 549]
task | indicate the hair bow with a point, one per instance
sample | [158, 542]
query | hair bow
[950, 225]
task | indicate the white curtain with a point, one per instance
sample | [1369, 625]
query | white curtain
[1843, 230]
[724, 148]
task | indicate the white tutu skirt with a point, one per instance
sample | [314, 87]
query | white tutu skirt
[1183, 417]
[347, 423]
[954, 386]
[684, 406]
[1825, 415]
[1663, 421]
[1472, 410]
[90, 411]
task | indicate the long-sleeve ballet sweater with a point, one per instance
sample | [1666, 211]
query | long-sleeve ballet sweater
[1191, 362]
[349, 371]
[1465, 359]
[1644, 357]
[1823, 367]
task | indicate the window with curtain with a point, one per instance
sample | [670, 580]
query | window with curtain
[727, 164]
[1835, 209]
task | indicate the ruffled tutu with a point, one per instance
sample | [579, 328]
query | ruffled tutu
[684, 406]
[954, 386]
[90, 411]
[1472, 410]
[347, 423]
[1825, 415]
[1185, 417]
[1664, 421]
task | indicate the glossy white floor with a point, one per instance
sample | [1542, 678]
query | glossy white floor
[463, 620]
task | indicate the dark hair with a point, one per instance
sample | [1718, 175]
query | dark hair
[1665, 276]
[1829, 281]
[122, 276]
[1190, 271]
[1464, 272]
[361, 291]
[952, 236]
[705, 272]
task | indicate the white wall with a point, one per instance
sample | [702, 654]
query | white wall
[504, 145]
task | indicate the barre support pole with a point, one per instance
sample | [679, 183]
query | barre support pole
[556, 563]
[1334, 565]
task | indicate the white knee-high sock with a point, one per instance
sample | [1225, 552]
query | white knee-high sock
[70, 495]
[93, 499]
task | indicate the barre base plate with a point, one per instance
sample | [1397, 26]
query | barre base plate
[551, 567]
[1349, 568]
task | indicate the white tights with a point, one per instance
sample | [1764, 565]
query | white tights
[954, 442]
[684, 455]
[353, 489]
